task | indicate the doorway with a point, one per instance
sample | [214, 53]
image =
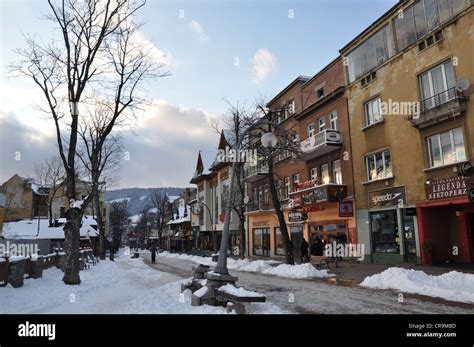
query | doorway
[409, 237]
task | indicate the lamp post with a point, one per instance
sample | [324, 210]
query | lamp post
[268, 140]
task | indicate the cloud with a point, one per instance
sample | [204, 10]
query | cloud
[156, 54]
[198, 30]
[161, 150]
[264, 63]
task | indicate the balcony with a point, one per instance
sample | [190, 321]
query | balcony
[440, 107]
[253, 173]
[310, 193]
[254, 206]
[320, 144]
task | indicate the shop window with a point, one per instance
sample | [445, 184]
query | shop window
[279, 244]
[379, 165]
[384, 228]
[261, 242]
[446, 148]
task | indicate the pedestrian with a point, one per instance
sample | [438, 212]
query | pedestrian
[153, 253]
[304, 251]
[318, 247]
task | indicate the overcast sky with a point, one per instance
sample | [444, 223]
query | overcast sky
[238, 51]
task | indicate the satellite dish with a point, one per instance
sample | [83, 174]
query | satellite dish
[462, 85]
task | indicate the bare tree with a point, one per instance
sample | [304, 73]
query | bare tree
[118, 221]
[158, 202]
[101, 161]
[95, 55]
[287, 145]
[50, 174]
[236, 121]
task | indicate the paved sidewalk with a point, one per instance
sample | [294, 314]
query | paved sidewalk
[350, 271]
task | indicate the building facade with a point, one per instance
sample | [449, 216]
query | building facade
[315, 183]
[411, 127]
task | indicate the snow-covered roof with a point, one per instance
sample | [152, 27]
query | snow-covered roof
[28, 229]
[180, 220]
[172, 198]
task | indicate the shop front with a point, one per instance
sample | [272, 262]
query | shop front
[446, 222]
[392, 227]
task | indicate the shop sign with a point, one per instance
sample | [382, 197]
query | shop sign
[346, 209]
[295, 216]
[262, 223]
[394, 196]
[446, 188]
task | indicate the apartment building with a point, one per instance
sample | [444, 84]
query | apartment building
[410, 104]
[315, 185]
[212, 178]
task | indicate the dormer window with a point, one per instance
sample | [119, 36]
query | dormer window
[320, 93]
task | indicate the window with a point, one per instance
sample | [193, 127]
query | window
[260, 197]
[261, 242]
[310, 129]
[435, 84]
[286, 192]
[278, 188]
[369, 54]
[420, 19]
[373, 112]
[265, 194]
[320, 92]
[325, 174]
[405, 28]
[379, 165]
[313, 173]
[255, 197]
[384, 228]
[336, 172]
[446, 148]
[321, 124]
[296, 180]
[333, 120]
[291, 106]
[279, 244]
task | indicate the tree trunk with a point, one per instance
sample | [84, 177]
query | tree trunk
[100, 225]
[71, 246]
[281, 218]
[50, 210]
[72, 230]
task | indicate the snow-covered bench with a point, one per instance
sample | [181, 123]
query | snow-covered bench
[235, 298]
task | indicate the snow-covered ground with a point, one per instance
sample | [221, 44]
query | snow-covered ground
[263, 266]
[454, 286]
[124, 286]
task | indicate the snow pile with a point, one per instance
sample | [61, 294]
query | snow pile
[297, 271]
[454, 286]
[241, 292]
[261, 266]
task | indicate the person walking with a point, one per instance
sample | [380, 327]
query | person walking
[153, 253]
[304, 251]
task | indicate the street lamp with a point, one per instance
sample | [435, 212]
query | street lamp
[268, 140]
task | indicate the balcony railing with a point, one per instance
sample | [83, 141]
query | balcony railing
[255, 172]
[439, 107]
[320, 144]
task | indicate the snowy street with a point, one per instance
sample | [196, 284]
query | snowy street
[137, 286]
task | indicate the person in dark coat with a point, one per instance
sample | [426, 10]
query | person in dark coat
[318, 247]
[304, 251]
[153, 253]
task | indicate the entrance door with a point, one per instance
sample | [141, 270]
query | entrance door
[409, 238]
[297, 238]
